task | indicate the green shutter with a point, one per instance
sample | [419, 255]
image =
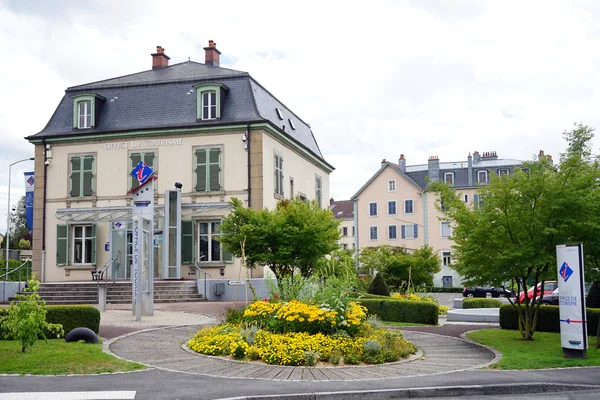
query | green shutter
[214, 159]
[201, 170]
[94, 243]
[75, 176]
[62, 244]
[187, 242]
[88, 175]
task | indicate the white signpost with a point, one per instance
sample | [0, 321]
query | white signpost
[573, 319]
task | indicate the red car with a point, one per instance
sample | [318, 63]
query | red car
[549, 287]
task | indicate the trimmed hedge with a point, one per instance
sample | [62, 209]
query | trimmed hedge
[482, 303]
[70, 317]
[378, 286]
[435, 289]
[548, 319]
[421, 312]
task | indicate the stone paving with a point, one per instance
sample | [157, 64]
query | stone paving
[163, 348]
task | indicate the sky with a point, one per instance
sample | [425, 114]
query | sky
[374, 79]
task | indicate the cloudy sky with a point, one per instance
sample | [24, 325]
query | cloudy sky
[374, 79]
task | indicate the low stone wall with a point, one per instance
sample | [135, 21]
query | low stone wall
[11, 288]
[232, 290]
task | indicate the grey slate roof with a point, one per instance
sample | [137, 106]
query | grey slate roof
[161, 98]
[342, 209]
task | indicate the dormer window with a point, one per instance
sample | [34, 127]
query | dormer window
[86, 108]
[449, 178]
[279, 113]
[209, 100]
[85, 114]
[209, 105]
[292, 124]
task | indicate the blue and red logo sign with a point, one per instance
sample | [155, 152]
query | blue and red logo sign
[30, 180]
[142, 172]
[565, 271]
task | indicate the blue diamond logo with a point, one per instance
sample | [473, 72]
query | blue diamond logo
[565, 271]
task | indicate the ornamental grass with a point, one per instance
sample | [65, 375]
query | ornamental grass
[296, 333]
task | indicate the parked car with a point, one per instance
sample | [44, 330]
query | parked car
[549, 287]
[482, 291]
[551, 299]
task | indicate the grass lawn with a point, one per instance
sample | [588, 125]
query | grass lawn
[393, 323]
[58, 357]
[544, 351]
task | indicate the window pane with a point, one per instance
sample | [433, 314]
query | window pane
[78, 231]
[204, 247]
[215, 250]
[88, 250]
[203, 228]
[88, 231]
[77, 251]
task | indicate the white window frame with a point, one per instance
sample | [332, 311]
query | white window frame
[86, 116]
[210, 235]
[501, 170]
[392, 185]
[413, 206]
[407, 230]
[345, 246]
[345, 231]
[373, 229]
[446, 258]
[395, 232]
[480, 173]
[451, 175]
[278, 173]
[210, 106]
[83, 246]
[319, 190]
[442, 224]
[395, 207]
[376, 210]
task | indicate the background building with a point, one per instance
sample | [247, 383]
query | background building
[214, 131]
[394, 207]
[343, 210]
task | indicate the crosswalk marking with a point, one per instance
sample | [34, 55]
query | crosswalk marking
[105, 395]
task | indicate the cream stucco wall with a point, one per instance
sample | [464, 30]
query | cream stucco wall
[378, 192]
[347, 240]
[296, 166]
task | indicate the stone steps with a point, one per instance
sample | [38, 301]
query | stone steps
[116, 293]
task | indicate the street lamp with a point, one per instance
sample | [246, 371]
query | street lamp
[7, 225]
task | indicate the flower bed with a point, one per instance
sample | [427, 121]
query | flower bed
[297, 333]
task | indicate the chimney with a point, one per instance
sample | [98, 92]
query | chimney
[331, 201]
[476, 157]
[433, 168]
[489, 155]
[160, 59]
[402, 164]
[211, 54]
[541, 155]
[383, 163]
[550, 160]
[470, 169]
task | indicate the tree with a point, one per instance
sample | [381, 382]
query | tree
[512, 232]
[18, 226]
[400, 268]
[378, 286]
[340, 263]
[293, 236]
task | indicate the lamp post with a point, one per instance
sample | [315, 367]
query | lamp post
[7, 225]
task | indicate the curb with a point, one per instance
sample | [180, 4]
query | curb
[428, 392]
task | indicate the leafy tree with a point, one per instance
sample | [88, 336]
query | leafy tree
[593, 297]
[340, 263]
[511, 235]
[293, 236]
[26, 320]
[378, 286]
[400, 268]
[18, 226]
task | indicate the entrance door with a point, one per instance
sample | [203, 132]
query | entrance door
[447, 281]
[118, 248]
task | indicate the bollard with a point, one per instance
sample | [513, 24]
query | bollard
[102, 297]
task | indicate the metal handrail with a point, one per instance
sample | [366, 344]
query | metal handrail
[198, 269]
[5, 276]
[102, 270]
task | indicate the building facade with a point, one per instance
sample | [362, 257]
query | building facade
[208, 133]
[394, 207]
[343, 211]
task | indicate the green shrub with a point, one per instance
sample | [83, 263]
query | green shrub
[402, 310]
[548, 319]
[71, 317]
[233, 316]
[378, 286]
[435, 289]
[482, 303]
[593, 297]
[24, 273]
